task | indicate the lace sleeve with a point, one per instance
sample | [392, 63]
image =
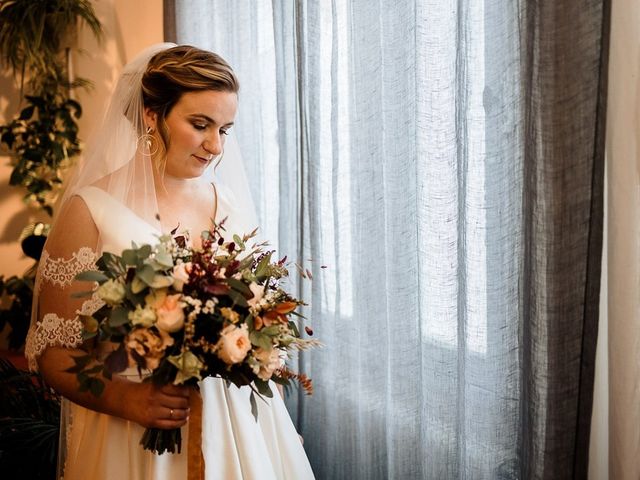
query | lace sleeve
[70, 249]
[61, 328]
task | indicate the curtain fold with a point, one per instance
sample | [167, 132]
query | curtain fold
[444, 160]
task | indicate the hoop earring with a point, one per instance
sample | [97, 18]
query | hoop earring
[149, 142]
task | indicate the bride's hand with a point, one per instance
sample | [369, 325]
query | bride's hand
[158, 407]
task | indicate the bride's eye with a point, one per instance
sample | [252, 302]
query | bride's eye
[224, 131]
[199, 126]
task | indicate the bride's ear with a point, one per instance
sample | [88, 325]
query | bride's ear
[150, 118]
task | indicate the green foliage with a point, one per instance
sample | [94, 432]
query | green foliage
[17, 293]
[29, 425]
[35, 39]
[43, 138]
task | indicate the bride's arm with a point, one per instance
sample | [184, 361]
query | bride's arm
[143, 403]
[55, 334]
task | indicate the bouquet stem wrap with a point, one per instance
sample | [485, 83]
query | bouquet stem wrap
[195, 462]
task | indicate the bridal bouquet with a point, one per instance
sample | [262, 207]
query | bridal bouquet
[178, 314]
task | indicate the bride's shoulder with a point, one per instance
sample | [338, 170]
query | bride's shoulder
[73, 228]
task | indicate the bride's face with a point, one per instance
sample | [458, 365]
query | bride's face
[197, 125]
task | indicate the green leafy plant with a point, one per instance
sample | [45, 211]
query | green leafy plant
[17, 293]
[43, 139]
[29, 425]
[35, 39]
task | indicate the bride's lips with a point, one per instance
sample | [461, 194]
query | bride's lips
[202, 159]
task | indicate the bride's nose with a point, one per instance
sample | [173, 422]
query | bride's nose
[213, 144]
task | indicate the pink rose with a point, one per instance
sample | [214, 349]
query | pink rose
[170, 314]
[234, 344]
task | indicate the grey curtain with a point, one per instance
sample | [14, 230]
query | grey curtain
[444, 160]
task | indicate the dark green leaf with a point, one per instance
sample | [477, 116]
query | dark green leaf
[254, 406]
[118, 317]
[96, 387]
[26, 113]
[237, 298]
[263, 387]
[117, 361]
[92, 276]
[239, 286]
[16, 177]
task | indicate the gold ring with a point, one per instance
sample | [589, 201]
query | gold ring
[171, 413]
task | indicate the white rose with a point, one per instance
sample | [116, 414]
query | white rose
[234, 344]
[258, 293]
[180, 275]
[144, 317]
[268, 361]
[111, 291]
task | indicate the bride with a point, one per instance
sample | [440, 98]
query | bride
[151, 170]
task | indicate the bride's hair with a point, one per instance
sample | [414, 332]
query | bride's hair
[172, 72]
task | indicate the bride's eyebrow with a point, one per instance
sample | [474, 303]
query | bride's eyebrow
[208, 119]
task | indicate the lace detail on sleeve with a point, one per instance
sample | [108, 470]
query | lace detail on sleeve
[91, 306]
[52, 331]
[62, 271]
[59, 325]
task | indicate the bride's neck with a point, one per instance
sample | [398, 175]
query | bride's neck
[167, 185]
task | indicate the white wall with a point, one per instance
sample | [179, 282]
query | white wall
[615, 443]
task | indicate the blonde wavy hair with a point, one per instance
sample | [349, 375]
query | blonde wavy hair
[176, 71]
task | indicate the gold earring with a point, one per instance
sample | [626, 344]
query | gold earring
[149, 142]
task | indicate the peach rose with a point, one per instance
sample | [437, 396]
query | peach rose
[234, 344]
[149, 345]
[170, 314]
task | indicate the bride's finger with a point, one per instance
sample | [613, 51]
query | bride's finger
[177, 414]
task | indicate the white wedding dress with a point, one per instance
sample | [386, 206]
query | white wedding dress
[96, 446]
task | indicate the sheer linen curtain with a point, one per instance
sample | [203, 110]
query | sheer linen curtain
[444, 160]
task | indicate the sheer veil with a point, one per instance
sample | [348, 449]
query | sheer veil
[120, 164]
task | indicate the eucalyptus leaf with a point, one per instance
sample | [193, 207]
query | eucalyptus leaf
[146, 274]
[144, 251]
[163, 257]
[130, 257]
